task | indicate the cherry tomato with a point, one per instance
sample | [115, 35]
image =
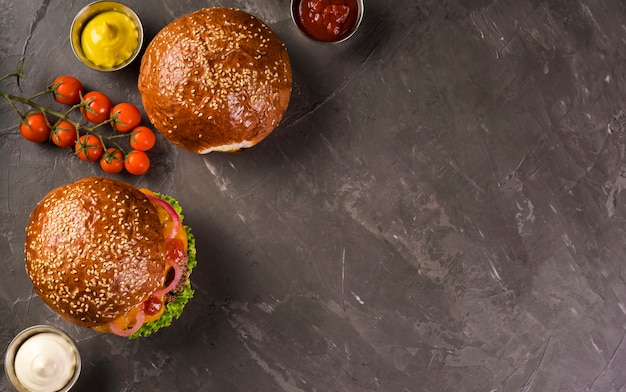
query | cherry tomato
[125, 117]
[112, 161]
[142, 138]
[96, 107]
[67, 90]
[35, 127]
[137, 162]
[64, 134]
[89, 148]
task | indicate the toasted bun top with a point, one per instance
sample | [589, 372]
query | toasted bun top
[94, 250]
[217, 79]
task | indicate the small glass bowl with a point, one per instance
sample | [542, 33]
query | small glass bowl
[296, 20]
[89, 12]
[21, 338]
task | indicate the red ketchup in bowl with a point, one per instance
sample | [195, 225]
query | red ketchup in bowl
[327, 20]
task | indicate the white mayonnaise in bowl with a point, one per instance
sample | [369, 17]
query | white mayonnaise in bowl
[42, 359]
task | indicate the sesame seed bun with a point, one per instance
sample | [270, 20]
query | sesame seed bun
[94, 250]
[217, 79]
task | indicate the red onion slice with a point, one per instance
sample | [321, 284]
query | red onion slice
[170, 287]
[171, 211]
[139, 319]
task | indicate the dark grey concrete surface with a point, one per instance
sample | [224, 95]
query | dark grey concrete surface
[440, 210]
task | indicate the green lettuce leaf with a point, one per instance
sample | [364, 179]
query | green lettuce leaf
[174, 309]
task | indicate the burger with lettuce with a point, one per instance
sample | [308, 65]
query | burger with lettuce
[106, 255]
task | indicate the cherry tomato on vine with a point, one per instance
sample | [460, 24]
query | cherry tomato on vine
[67, 90]
[137, 162]
[142, 138]
[125, 117]
[96, 107]
[64, 134]
[89, 148]
[112, 161]
[35, 127]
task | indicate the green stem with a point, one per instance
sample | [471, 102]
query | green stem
[71, 109]
[14, 107]
[39, 94]
[10, 75]
[118, 136]
[118, 146]
[93, 129]
[34, 105]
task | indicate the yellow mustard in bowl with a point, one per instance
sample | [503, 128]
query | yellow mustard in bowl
[109, 39]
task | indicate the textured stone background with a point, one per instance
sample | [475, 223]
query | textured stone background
[440, 209]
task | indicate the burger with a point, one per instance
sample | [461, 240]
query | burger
[218, 79]
[106, 255]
